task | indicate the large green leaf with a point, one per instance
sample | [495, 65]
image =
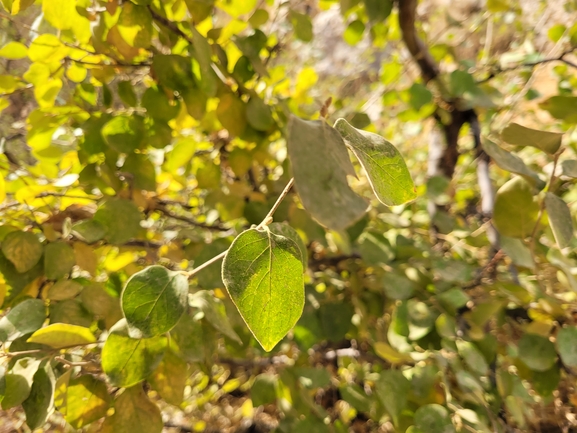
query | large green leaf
[263, 274]
[522, 136]
[60, 335]
[320, 164]
[120, 219]
[128, 361]
[515, 213]
[26, 317]
[40, 403]
[559, 219]
[23, 249]
[287, 231]
[87, 400]
[393, 389]
[59, 259]
[134, 412]
[511, 162]
[562, 107]
[537, 352]
[153, 301]
[385, 167]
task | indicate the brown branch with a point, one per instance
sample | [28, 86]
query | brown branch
[188, 220]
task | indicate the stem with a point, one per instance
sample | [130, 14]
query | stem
[266, 221]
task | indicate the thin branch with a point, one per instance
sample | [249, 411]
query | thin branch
[266, 221]
[62, 194]
[191, 221]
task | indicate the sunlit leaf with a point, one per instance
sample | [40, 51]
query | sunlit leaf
[135, 412]
[60, 335]
[87, 401]
[515, 212]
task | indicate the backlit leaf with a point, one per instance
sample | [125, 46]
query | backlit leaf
[515, 212]
[124, 134]
[263, 274]
[169, 378]
[522, 136]
[60, 13]
[153, 301]
[134, 412]
[320, 163]
[14, 50]
[87, 400]
[287, 231]
[60, 335]
[559, 219]
[385, 167]
[135, 25]
[23, 249]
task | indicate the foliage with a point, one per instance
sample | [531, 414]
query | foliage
[186, 236]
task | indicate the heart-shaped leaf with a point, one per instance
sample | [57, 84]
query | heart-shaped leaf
[263, 274]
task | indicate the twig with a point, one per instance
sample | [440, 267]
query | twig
[266, 221]
[190, 221]
[50, 350]
[63, 194]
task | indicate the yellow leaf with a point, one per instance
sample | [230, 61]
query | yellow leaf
[59, 335]
[60, 13]
[2, 186]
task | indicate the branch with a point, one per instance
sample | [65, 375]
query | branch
[266, 221]
[168, 213]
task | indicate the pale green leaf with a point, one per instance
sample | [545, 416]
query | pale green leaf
[59, 259]
[26, 317]
[385, 167]
[153, 301]
[511, 162]
[263, 274]
[567, 346]
[19, 381]
[473, 357]
[320, 163]
[537, 352]
[60, 335]
[569, 168]
[522, 136]
[393, 389]
[120, 219]
[559, 219]
[134, 412]
[519, 253]
[515, 213]
[23, 249]
[128, 361]
[433, 418]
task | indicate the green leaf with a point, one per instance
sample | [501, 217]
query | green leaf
[87, 400]
[537, 352]
[561, 107]
[195, 339]
[142, 171]
[19, 381]
[419, 95]
[320, 164]
[203, 54]
[378, 10]
[39, 404]
[511, 162]
[47, 48]
[517, 251]
[24, 318]
[231, 113]
[14, 50]
[89, 231]
[264, 389]
[393, 389]
[398, 286]
[169, 378]
[515, 212]
[258, 114]
[64, 289]
[60, 13]
[473, 357]
[559, 219]
[128, 361]
[302, 25]
[135, 25]
[23, 249]
[354, 32]
[385, 167]
[263, 274]
[283, 229]
[522, 136]
[567, 345]
[173, 72]
[126, 93]
[121, 220]
[433, 418]
[214, 312]
[134, 412]
[153, 301]
[569, 168]
[59, 259]
[158, 105]
[124, 134]
[60, 335]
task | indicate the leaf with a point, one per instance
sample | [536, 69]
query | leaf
[567, 345]
[87, 400]
[64, 289]
[515, 213]
[320, 163]
[60, 13]
[264, 389]
[173, 72]
[302, 26]
[120, 218]
[433, 418]
[287, 231]
[562, 107]
[210, 277]
[393, 389]
[153, 301]
[89, 231]
[135, 25]
[559, 219]
[511, 162]
[124, 134]
[142, 170]
[126, 93]
[13, 51]
[473, 357]
[378, 10]
[169, 378]
[24, 318]
[19, 381]
[2, 181]
[128, 361]
[537, 352]
[517, 251]
[60, 335]
[214, 312]
[134, 412]
[398, 286]
[522, 136]
[59, 259]
[231, 113]
[40, 403]
[258, 114]
[263, 274]
[23, 249]
[354, 32]
[385, 167]
[203, 54]
[569, 168]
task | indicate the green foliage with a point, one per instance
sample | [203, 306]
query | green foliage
[157, 265]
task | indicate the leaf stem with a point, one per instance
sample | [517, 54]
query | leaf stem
[266, 221]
